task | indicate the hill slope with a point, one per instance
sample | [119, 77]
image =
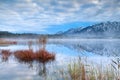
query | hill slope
[101, 30]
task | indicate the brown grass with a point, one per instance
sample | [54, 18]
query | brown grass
[44, 56]
[5, 55]
[79, 71]
[41, 55]
[24, 55]
[42, 41]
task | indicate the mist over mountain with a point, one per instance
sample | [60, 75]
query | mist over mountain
[101, 30]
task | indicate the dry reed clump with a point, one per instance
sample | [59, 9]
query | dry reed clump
[44, 56]
[28, 56]
[5, 54]
[116, 67]
[42, 41]
[77, 70]
[24, 55]
[80, 71]
[40, 55]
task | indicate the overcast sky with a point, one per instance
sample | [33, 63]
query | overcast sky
[51, 16]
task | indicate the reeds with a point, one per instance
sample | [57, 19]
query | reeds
[5, 55]
[41, 55]
[116, 67]
[24, 55]
[42, 41]
[79, 71]
[44, 56]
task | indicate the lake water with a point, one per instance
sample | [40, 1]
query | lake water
[94, 51]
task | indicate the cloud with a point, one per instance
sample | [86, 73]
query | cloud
[40, 14]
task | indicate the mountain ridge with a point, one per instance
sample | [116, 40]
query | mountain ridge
[100, 30]
[103, 29]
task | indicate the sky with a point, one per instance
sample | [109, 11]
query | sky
[51, 16]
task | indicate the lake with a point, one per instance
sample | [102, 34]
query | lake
[91, 51]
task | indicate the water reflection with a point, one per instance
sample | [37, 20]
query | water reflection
[41, 59]
[98, 47]
[30, 58]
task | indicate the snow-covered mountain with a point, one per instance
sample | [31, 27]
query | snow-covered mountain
[101, 30]
[72, 30]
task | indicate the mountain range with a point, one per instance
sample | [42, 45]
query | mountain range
[100, 30]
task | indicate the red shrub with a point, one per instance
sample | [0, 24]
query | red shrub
[24, 55]
[44, 56]
[41, 55]
[5, 54]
